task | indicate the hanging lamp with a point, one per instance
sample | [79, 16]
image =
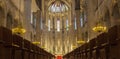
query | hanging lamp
[99, 28]
[36, 43]
[18, 30]
[80, 41]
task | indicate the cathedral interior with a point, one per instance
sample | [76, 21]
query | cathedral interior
[59, 29]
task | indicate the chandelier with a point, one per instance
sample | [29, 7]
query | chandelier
[80, 41]
[18, 30]
[36, 42]
[58, 6]
[99, 28]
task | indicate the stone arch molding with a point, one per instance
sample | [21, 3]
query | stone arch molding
[116, 11]
[3, 11]
[107, 18]
[115, 14]
[9, 20]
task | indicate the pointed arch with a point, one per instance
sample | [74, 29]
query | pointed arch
[115, 12]
[2, 13]
[107, 19]
[9, 20]
[115, 15]
[50, 2]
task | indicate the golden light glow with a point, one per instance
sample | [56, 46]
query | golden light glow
[100, 29]
[43, 47]
[73, 46]
[81, 42]
[18, 30]
[36, 43]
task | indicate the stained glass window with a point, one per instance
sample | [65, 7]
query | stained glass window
[31, 21]
[58, 7]
[41, 23]
[81, 21]
[34, 22]
[67, 25]
[75, 23]
[58, 25]
[48, 25]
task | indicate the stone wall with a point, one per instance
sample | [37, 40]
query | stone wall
[105, 8]
[10, 17]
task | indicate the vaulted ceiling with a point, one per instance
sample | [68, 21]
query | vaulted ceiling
[39, 3]
[77, 4]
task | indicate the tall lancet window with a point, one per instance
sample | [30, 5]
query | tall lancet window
[58, 25]
[48, 25]
[75, 24]
[34, 22]
[67, 25]
[31, 21]
[81, 21]
[41, 23]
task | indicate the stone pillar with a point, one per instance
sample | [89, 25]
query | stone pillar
[38, 24]
[78, 32]
[92, 18]
[26, 21]
[27, 9]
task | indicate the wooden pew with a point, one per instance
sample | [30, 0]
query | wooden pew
[32, 53]
[82, 54]
[41, 54]
[93, 49]
[17, 47]
[114, 36]
[83, 51]
[26, 49]
[118, 47]
[1, 50]
[103, 45]
[36, 52]
[76, 54]
[5, 43]
[79, 53]
[87, 50]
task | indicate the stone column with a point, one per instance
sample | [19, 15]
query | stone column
[78, 31]
[38, 24]
[26, 21]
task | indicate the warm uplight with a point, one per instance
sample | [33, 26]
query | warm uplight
[36, 43]
[59, 57]
[99, 29]
[18, 30]
[74, 47]
[81, 42]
